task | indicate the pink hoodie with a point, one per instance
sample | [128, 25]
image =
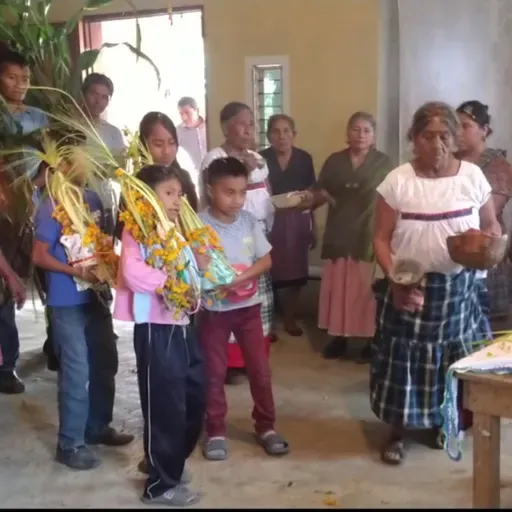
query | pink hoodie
[136, 277]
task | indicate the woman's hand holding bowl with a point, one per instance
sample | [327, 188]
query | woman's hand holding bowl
[407, 298]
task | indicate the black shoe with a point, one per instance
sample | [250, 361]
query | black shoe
[10, 383]
[81, 458]
[52, 363]
[235, 376]
[365, 356]
[143, 467]
[336, 348]
[111, 438]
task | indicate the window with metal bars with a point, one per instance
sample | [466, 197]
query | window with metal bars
[267, 82]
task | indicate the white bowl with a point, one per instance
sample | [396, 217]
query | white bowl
[288, 200]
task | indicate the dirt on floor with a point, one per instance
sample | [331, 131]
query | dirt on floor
[323, 411]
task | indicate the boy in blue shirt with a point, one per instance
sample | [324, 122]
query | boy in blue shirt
[247, 249]
[83, 341]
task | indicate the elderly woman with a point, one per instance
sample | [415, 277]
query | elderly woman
[348, 181]
[290, 169]
[472, 146]
[237, 122]
[424, 328]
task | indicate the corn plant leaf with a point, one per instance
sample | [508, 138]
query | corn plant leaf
[87, 59]
[139, 54]
[43, 7]
[73, 22]
[91, 5]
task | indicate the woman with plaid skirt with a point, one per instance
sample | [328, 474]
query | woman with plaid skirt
[424, 328]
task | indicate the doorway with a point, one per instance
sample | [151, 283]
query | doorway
[175, 44]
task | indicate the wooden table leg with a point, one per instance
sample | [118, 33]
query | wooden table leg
[486, 461]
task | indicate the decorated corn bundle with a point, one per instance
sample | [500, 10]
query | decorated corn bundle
[85, 243]
[205, 240]
[161, 244]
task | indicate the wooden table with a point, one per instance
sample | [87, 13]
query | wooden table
[489, 397]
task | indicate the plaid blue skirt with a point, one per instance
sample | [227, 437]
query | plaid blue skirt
[499, 285]
[412, 351]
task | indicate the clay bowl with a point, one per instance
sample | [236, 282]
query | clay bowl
[477, 250]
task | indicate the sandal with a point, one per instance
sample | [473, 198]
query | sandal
[216, 449]
[272, 443]
[393, 452]
[293, 329]
[438, 439]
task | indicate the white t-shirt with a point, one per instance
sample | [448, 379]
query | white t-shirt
[430, 210]
[257, 201]
[112, 137]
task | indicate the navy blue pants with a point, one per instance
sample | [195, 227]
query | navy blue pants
[172, 395]
[9, 338]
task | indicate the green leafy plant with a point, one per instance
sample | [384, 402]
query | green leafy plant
[26, 27]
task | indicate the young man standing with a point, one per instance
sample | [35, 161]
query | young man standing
[192, 133]
[14, 84]
[97, 90]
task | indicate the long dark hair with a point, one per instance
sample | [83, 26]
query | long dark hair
[151, 175]
[148, 122]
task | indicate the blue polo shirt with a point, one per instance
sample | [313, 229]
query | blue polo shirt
[30, 119]
[62, 290]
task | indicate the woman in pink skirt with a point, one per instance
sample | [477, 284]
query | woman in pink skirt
[348, 180]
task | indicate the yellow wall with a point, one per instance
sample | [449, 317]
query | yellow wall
[333, 51]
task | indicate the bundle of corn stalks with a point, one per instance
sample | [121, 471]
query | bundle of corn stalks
[138, 155]
[162, 244]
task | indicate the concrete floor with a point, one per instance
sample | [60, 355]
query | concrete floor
[322, 409]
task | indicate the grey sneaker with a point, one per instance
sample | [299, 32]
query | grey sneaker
[179, 496]
[81, 458]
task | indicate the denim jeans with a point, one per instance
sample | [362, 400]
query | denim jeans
[84, 342]
[9, 339]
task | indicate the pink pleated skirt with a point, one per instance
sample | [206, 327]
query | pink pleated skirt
[347, 305]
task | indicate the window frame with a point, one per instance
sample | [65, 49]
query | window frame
[281, 61]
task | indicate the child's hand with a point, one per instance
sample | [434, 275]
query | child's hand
[203, 261]
[239, 279]
[86, 274]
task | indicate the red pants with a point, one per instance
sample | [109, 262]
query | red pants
[235, 356]
[214, 331]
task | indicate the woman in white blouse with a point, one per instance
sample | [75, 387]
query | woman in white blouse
[237, 122]
[423, 329]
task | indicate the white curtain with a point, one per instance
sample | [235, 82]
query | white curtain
[448, 50]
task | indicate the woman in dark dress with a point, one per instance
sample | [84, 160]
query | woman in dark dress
[292, 234]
